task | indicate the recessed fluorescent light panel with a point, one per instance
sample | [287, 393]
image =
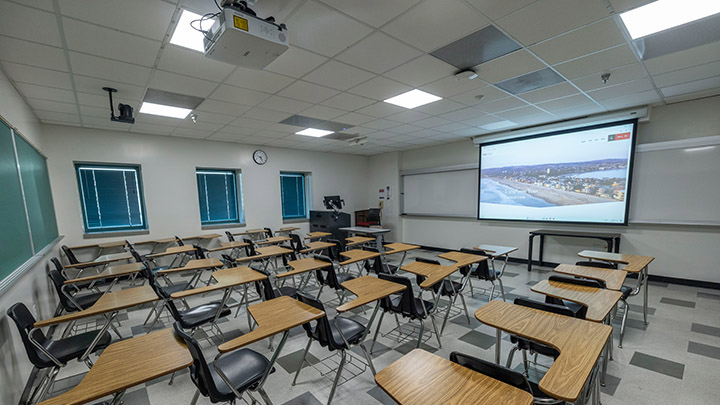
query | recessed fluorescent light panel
[664, 14]
[164, 110]
[413, 98]
[316, 133]
[187, 36]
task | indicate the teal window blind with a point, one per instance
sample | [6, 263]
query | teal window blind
[220, 195]
[292, 192]
[111, 197]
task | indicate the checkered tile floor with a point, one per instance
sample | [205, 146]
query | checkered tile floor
[674, 359]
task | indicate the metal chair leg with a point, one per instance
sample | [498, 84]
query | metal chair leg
[337, 376]
[368, 358]
[502, 289]
[420, 335]
[510, 356]
[152, 311]
[48, 383]
[472, 292]
[447, 315]
[492, 291]
[467, 315]
[377, 331]
[297, 373]
[195, 397]
[622, 325]
[437, 335]
[172, 378]
[265, 396]
[525, 364]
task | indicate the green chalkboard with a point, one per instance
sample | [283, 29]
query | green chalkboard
[38, 198]
[15, 246]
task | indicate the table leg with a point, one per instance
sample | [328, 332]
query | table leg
[542, 248]
[530, 249]
[610, 244]
[378, 243]
[617, 245]
[498, 340]
[645, 295]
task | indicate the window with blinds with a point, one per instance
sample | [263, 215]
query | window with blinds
[292, 192]
[111, 198]
[220, 195]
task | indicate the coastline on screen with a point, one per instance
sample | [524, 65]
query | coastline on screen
[578, 175]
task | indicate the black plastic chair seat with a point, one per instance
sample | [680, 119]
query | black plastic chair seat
[351, 329]
[73, 347]
[85, 301]
[173, 288]
[244, 368]
[343, 277]
[491, 275]
[285, 290]
[448, 286]
[397, 307]
[537, 392]
[201, 314]
[626, 291]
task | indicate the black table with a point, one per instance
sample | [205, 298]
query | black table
[612, 240]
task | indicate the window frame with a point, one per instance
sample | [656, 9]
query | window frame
[141, 195]
[239, 201]
[307, 196]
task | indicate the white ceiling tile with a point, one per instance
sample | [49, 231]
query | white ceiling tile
[455, 126]
[236, 132]
[94, 111]
[269, 134]
[266, 115]
[422, 70]
[287, 129]
[29, 24]
[322, 112]
[338, 75]
[488, 93]
[381, 124]
[691, 87]
[347, 101]
[440, 107]
[201, 125]
[502, 105]
[92, 85]
[36, 75]
[684, 59]
[222, 107]
[450, 86]
[549, 93]
[54, 106]
[237, 95]
[99, 41]
[103, 100]
[520, 113]
[141, 17]
[187, 62]
[583, 41]
[105, 123]
[631, 100]
[46, 93]
[409, 116]
[508, 66]
[453, 18]
[373, 12]
[212, 118]
[296, 62]
[621, 90]
[619, 75]
[597, 62]
[42, 4]
[404, 129]
[58, 118]
[381, 109]
[482, 120]
[102, 68]
[380, 88]
[564, 103]
[378, 53]
[313, 93]
[472, 131]
[176, 83]
[462, 114]
[29, 53]
[624, 5]
[321, 29]
[354, 119]
[550, 18]
[157, 120]
[687, 75]
[497, 9]
[284, 104]
[580, 111]
[432, 122]
[360, 130]
[259, 80]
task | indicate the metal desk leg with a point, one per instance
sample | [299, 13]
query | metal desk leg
[617, 245]
[645, 295]
[610, 244]
[378, 243]
[498, 339]
[530, 249]
[542, 247]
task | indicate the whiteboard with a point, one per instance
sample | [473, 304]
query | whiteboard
[446, 193]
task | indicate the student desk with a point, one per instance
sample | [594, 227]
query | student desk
[207, 238]
[253, 234]
[113, 272]
[462, 259]
[357, 256]
[128, 363]
[174, 250]
[274, 240]
[101, 260]
[377, 233]
[613, 279]
[156, 243]
[317, 235]
[232, 245]
[287, 229]
[197, 265]
[612, 240]
[420, 377]
[315, 246]
[357, 240]
[403, 248]
[303, 267]
[633, 264]
[273, 316]
[433, 273]
[100, 246]
[265, 254]
[495, 251]
[579, 342]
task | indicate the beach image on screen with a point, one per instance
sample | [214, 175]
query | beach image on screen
[579, 176]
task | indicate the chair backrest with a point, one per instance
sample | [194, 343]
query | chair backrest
[578, 281]
[230, 236]
[554, 308]
[483, 268]
[407, 301]
[199, 252]
[138, 258]
[492, 370]
[58, 281]
[375, 265]
[227, 260]
[296, 242]
[373, 215]
[199, 372]
[323, 331]
[602, 265]
[331, 279]
[264, 287]
[268, 232]
[165, 297]
[69, 254]
[250, 247]
[334, 251]
[24, 321]
[419, 279]
[58, 266]
[179, 241]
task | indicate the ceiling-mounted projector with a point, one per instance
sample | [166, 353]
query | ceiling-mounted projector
[241, 38]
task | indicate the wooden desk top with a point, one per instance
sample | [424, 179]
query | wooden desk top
[356, 255]
[108, 245]
[315, 235]
[174, 250]
[226, 278]
[195, 265]
[633, 263]
[229, 245]
[94, 245]
[497, 251]
[316, 245]
[303, 266]
[125, 364]
[288, 229]
[399, 247]
[368, 289]
[421, 377]
[599, 301]
[433, 272]
[274, 316]
[266, 252]
[111, 272]
[358, 240]
[462, 259]
[109, 302]
[613, 279]
[164, 240]
[250, 232]
[579, 342]
[273, 240]
[206, 236]
[104, 259]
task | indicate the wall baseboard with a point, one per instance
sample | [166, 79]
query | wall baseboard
[661, 279]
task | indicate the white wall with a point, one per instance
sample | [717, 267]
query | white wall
[383, 171]
[687, 252]
[168, 171]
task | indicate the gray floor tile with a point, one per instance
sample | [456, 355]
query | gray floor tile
[510, 274]
[658, 284]
[462, 321]
[290, 361]
[658, 365]
[709, 296]
[478, 339]
[381, 396]
[704, 350]
[407, 347]
[137, 397]
[305, 399]
[639, 309]
[705, 329]
[631, 323]
[680, 303]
